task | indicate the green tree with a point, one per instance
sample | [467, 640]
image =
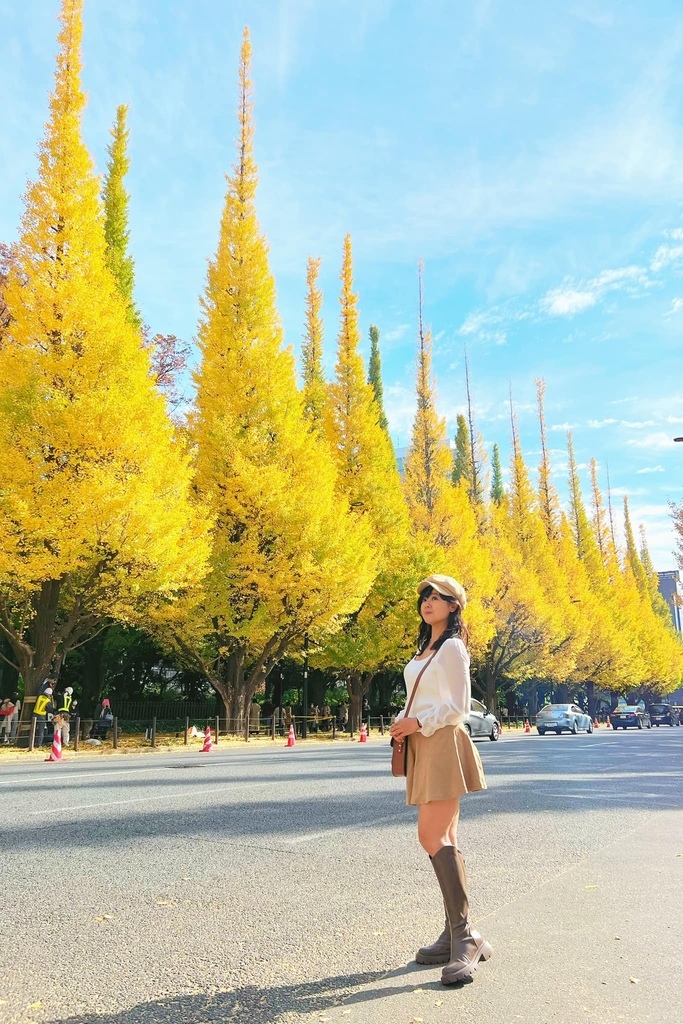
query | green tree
[497, 489]
[116, 230]
[462, 455]
[375, 376]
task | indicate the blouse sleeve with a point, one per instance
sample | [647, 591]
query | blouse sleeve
[455, 693]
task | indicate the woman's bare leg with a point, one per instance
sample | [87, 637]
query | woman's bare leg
[437, 824]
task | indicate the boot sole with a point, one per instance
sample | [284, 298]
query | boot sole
[485, 953]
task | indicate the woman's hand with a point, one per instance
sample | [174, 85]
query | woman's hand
[404, 727]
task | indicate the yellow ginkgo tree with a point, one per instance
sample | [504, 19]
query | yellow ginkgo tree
[288, 557]
[95, 514]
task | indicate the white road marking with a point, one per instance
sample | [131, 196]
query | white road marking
[100, 805]
[96, 775]
[344, 828]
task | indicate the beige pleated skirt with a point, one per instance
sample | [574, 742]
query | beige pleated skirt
[442, 766]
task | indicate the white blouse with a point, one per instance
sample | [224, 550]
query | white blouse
[443, 696]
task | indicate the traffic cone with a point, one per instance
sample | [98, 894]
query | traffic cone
[56, 752]
[208, 745]
[608, 724]
[596, 724]
[527, 727]
[291, 739]
[363, 733]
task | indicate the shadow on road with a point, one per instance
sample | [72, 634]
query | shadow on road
[518, 783]
[251, 1003]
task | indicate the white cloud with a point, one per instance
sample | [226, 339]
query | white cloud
[564, 426]
[637, 424]
[396, 333]
[650, 469]
[570, 299]
[665, 256]
[676, 306]
[567, 301]
[596, 424]
[653, 442]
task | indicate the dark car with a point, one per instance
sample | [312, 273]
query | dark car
[664, 714]
[634, 715]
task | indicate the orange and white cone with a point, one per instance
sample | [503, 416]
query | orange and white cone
[208, 745]
[56, 752]
[527, 727]
[291, 739]
[596, 724]
[363, 733]
[608, 724]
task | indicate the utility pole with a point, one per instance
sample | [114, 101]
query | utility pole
[304, 724]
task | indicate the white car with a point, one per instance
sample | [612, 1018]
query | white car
[560, 717]
[481, 723]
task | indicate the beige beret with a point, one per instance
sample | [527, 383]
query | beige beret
[446, 586]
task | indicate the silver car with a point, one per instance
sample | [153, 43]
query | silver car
[481, 723]
[563, 717]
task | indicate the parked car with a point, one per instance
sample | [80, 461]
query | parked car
[635, 715]
[664, 714]
[562, 717]
[481, 723]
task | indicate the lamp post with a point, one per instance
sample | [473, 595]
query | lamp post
[304, 724]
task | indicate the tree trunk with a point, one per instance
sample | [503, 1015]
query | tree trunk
[490, 682]
[590, 694]
[359, 684]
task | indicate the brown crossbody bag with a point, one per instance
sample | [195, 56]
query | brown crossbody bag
[399, 748]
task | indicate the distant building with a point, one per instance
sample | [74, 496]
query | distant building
[671, 589]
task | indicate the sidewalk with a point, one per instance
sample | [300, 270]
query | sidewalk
[601, 943]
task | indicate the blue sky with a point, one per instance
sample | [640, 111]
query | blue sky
[531, 153]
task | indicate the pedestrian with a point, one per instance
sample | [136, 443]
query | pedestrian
[16, 715]
[442, 764]
[41, 709]
[343, 716]
[6, 713]
[64, 705]
[12, 720]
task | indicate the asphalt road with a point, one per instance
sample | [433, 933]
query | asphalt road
[279, 886]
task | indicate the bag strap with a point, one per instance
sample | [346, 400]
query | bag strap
[417, 681]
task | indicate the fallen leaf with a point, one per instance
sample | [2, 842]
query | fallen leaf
[379, 933]
[591, 887]
[439, 1002]
[418, 990]
[35, 1006]
[104, 917]
[634, 981]
[617, 937]
[167, 903]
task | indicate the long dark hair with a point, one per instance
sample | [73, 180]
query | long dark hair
[455, 627]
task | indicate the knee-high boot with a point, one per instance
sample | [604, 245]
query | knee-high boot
[440, 951]
[466, 950]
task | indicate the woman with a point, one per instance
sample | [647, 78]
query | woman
[442, 765]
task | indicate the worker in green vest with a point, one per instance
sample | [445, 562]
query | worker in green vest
[41, 709]
[64, 713]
